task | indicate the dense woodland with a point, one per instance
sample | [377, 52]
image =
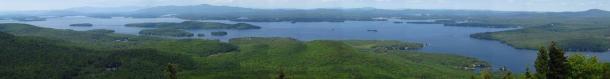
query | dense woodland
[575, 31]
[31, 52]
[167, 32]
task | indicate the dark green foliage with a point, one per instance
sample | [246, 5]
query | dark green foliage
[207, 12]
[195, 47]
[436, 22]
[145, 63]
[542, 63]
[242, 26]
[572, 37]
[167, 32]
[558, 66]
[585, 44]
[195, 25]
[81, 39]
[606, 71]
[386, 45]
[91, 55]
[281, 75]
[171, 68]
[583, 67]
[219, 33]
[29, 18]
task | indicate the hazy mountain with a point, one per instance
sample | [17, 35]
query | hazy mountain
[205, 11]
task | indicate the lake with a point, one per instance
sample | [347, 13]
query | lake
[438, 38]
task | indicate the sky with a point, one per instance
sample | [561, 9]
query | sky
[499, 5]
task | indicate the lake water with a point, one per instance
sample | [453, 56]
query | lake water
[438, 38]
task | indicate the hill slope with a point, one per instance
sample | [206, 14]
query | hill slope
[39, 58]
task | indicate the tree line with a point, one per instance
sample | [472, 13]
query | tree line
[552, 63]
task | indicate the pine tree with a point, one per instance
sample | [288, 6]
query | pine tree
[171, 68]
[528, 74]
[542, 62]
[607, 72]
[558, 67]
[486, 74]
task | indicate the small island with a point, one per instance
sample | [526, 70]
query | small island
[195, 25]
[220, 33]
[82, 25]
[166, 32]
[488, 25]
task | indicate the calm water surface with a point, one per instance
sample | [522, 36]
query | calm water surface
[439, 38]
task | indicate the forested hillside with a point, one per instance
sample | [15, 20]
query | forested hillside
[37, 52]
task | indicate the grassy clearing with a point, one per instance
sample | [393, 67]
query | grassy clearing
[569, 36]
[264, 58]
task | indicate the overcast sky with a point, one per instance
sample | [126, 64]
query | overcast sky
[502, 5]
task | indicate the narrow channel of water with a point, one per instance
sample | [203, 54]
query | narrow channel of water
[438, 38]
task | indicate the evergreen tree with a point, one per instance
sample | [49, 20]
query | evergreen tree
[542, 62]
[508, 75]
[281, 75]
[558, 66]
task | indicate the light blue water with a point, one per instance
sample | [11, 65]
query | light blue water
[439, 38]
